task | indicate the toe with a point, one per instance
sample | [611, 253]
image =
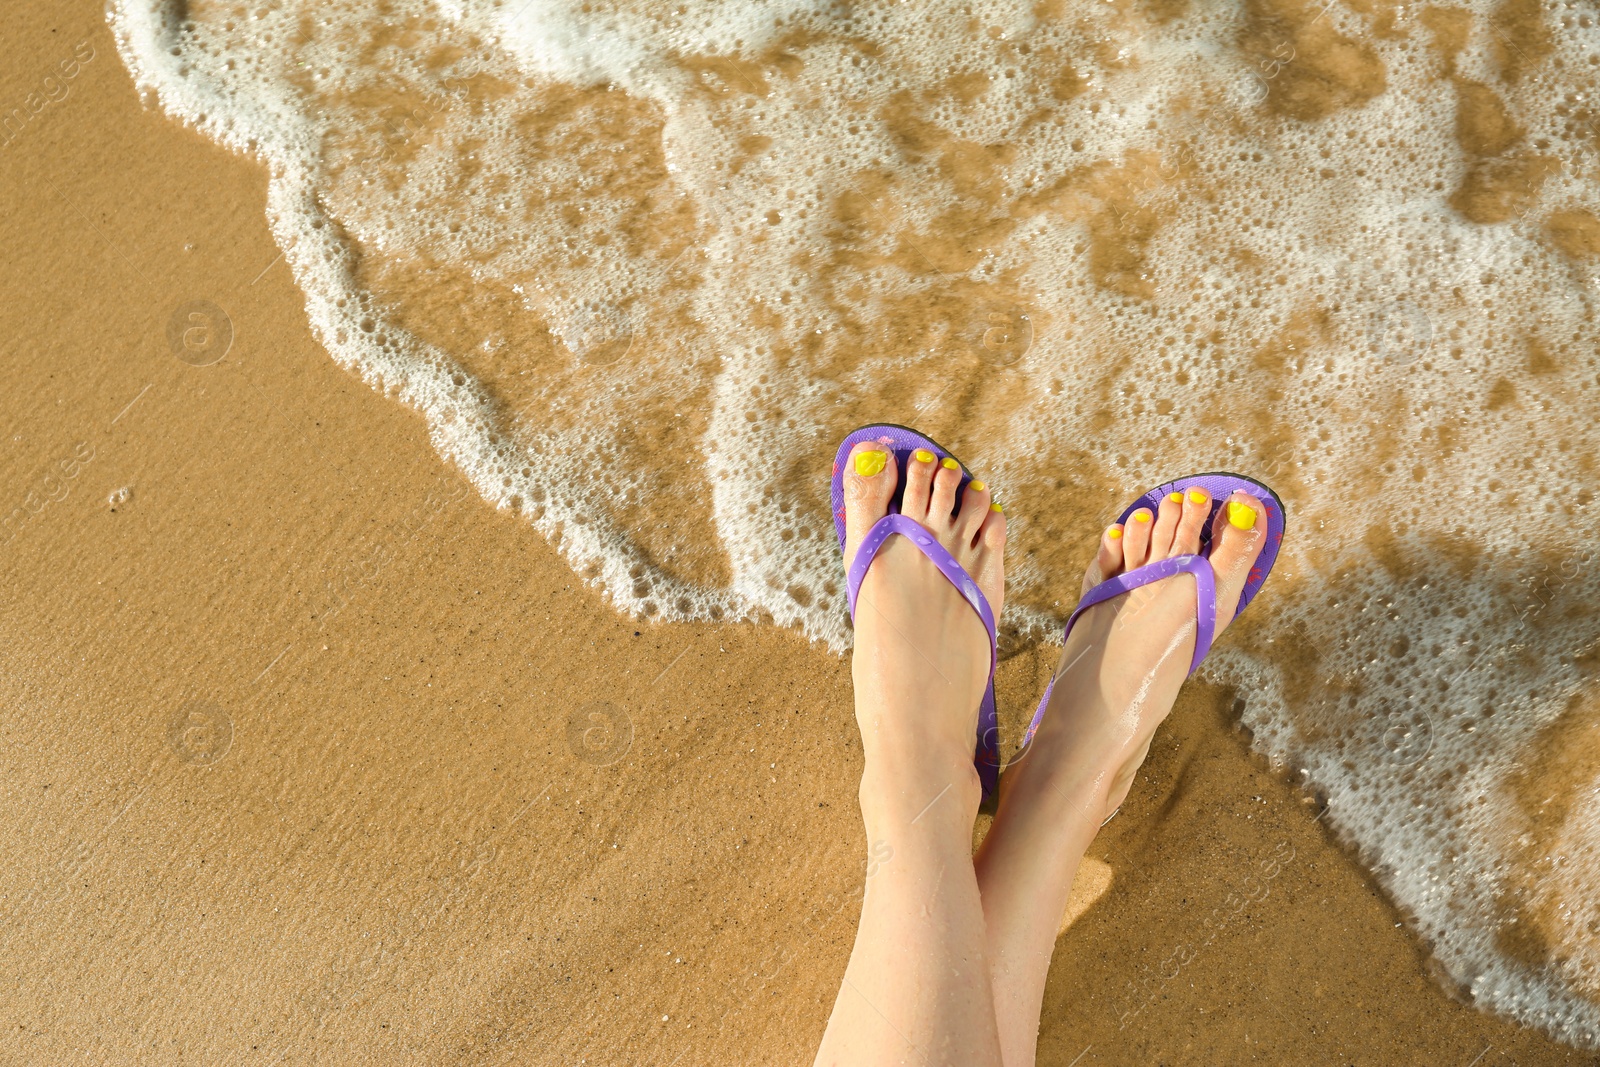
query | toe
[1136, 539]
[1196, 507]
[919, 483]
[942, 504]
[1237, 535]
[1166, 525]
[988, 570]
[869, 481]
[1108, 561]
[975, 503]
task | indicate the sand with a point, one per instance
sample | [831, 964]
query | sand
[295, 756]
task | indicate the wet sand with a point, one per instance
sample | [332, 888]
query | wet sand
[311, 756]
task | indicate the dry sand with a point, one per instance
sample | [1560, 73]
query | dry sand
[289, 767]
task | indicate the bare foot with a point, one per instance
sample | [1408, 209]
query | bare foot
[1126, 658]
[921, 653]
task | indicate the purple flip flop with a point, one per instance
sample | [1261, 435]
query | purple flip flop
[902, 441]
[1219, 486]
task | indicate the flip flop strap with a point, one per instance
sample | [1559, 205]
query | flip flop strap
[929, 546]
[1205, 596]
[1205, 611]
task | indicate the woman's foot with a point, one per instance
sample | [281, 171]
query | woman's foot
[921, 659]
[1125, 660]
[1120, 672]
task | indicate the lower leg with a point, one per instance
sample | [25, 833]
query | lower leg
[1052, 803]
[917, 989]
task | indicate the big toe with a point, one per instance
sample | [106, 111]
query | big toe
[870, 477]
[1238, 533]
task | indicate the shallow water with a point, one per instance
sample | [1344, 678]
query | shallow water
[642, 267]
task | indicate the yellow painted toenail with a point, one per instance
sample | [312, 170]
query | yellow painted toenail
[1197, 496]
[924, 456]
[1175, 497]
[1115, 533]
[1241, 516]
[951, 465]
[1142, 515]
[996, 506]
[976, 486]
[870, 463]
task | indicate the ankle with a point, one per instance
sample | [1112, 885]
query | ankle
[895, 795]
[909, 739]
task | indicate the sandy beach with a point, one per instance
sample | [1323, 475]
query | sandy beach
[310, 755]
